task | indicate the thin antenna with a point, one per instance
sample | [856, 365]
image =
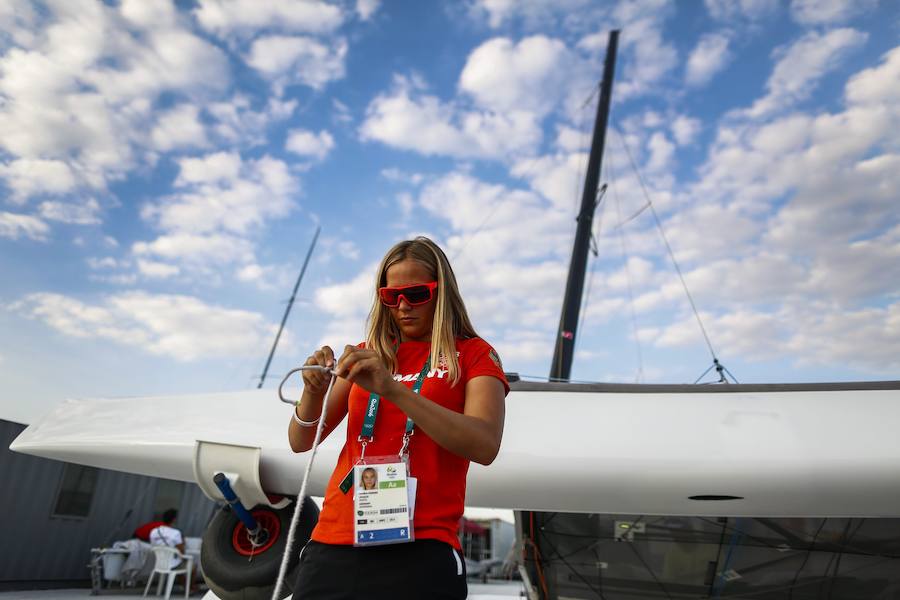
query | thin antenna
[287, 310]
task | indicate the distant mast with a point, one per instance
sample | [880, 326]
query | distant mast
[568, 322]
[287, 310]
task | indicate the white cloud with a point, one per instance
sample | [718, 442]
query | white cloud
[83, 213]
[877, 85]
[29, 177]
[149, 14]
[309, 143]
[193, 250]
[340, 112]
[569, 139]
[829, 12]
[559, 177]
[345, 250]
[685, 129]
[13, 226]
[18, 19]
[532, 12]
[867, 339]
[220, 205]
[661, 152]
[238, 123]
[243, 17]
[710, 56]
[179, 127]
[748, 9]
[183, 328]
[396, 175]
[107, 262]
[298, 59]
[407, 118]
[264, 277]
[366, 8]
[79, 93]
[406, 204]
[156, 270]
[348, 304]
[801, 65]
[220, 191]
[807, 268]
[530, 75]
[645, 57]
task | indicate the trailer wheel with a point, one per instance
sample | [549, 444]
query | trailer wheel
[234, 570]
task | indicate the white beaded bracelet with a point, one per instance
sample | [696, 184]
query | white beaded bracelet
[303, 423]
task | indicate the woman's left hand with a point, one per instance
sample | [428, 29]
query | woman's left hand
[365, 369]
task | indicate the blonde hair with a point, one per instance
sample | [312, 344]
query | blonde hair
[451, 320]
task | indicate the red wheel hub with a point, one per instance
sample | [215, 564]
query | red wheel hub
[240, 539]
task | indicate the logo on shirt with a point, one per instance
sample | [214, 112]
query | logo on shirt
[439, 373]
[496, 359]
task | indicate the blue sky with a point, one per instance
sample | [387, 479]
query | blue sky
[163, 168]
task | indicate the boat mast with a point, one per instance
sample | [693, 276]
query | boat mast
[532, 522]
[287, 310]
[568, 322]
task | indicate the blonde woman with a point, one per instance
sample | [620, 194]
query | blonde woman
[417, 315]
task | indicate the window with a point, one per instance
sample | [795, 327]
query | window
[75, 491]
[168, 495]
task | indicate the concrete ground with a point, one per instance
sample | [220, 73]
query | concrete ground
[477, 591]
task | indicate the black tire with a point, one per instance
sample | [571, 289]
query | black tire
[231, 575]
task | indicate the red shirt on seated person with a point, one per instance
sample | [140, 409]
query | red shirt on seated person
[143, 532]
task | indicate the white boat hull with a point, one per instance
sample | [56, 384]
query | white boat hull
[782, 453]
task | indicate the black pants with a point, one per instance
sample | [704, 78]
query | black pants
[420, 570]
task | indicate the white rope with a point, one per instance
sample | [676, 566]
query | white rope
[282, 571]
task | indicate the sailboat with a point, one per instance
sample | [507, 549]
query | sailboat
[691, 466]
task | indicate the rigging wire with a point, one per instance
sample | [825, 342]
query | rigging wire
[855, 550]
[814, 580]
[573, 570]
[840, 555]
[596, 540]
[582, 164]
[624, 245]
[649, 570]
[549, 379]
[586, 298]
[758, 542]
[805, 559]
[830, 578]
[668, 248]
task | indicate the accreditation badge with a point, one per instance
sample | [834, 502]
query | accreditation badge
[382, 502]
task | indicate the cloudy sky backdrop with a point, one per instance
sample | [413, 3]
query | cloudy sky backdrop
[163, 168]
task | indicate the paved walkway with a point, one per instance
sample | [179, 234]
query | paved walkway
[477, 591]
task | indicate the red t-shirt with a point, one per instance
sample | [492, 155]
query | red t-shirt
[143, 532]
[440, 499]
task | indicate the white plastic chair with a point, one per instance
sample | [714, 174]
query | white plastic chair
[163, 556]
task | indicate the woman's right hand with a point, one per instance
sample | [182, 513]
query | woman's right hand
[315, 381]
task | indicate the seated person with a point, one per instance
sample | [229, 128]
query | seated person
[167, 535]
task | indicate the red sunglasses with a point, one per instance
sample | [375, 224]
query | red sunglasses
[420, 293]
